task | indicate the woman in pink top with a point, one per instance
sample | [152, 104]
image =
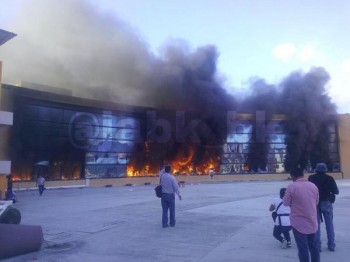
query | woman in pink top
[302, 197]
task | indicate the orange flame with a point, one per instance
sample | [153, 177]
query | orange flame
[182, 164]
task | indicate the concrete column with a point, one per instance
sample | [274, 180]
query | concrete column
[6, 119]
[3, 134]
[0, 81]
[344, 144]
[2, 177]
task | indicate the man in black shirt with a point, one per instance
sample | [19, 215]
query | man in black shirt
[327, 190]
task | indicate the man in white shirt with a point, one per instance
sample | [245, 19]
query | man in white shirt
[282, 223]
[170, 187]
[41, 184]
[211, 173]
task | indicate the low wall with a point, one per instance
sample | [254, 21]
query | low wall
[19, 185]
[155, 180]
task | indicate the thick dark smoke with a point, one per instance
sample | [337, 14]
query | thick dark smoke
[309, 112]
[72, 44]
[303, 99]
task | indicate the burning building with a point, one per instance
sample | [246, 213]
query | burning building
[65, 138]
[73, 139]
[181, 112]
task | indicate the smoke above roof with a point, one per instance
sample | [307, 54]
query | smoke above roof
[73, 44]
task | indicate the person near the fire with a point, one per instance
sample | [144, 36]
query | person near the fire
[170, 187]
[9, 182]
[211, 173]
[326, 187]
[41, 184]
[282, 223]
[302, 197]
[10, 194]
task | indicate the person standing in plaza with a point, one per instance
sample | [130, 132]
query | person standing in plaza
[302, 196]
[10, 194]
[41, 184]
[282, 222]
[211, 173]
[170, 187]
[327, 188]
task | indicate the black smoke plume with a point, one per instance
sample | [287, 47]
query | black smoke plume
[75, 45]
[309, 110]
[303, 99]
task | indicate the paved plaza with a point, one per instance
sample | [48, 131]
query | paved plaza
[215, 222]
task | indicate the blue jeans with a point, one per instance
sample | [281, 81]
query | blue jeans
[41, 189]
[168, 203]
[325, 208]
[306, 243]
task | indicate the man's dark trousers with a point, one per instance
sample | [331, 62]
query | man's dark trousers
[168, 203]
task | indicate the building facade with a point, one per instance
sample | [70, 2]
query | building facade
[68, 138]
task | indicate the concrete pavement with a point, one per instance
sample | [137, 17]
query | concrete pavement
[215, 222]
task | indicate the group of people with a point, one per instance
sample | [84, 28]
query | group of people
[301, 207]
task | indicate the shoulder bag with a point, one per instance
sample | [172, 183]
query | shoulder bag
[158, 188]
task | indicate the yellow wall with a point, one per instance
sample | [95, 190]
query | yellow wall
[3, 186]
[344, 143]
[2, 150]
[5, 132]
[0, 82]
[6, 104]
[155, 180]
